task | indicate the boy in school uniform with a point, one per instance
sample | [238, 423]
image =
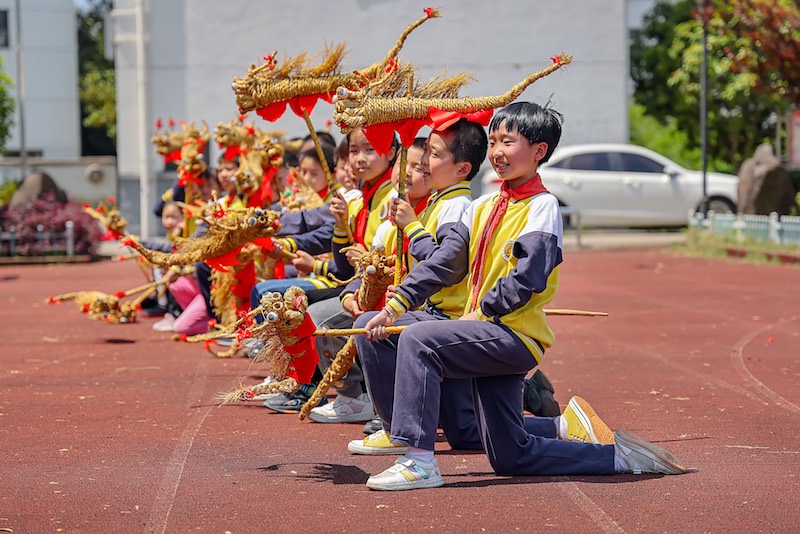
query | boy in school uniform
[508, 246]
[363, 214]
[452, 157]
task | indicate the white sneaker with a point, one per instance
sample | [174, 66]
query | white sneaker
[344, 410]
[644, 457]
[407, 474]
[377, 443]
[167, 324]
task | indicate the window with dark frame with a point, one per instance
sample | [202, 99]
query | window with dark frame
[3, 28]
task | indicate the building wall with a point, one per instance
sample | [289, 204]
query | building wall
[50, 61]
[197, 47]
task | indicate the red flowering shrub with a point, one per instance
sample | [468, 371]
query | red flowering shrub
[49, 217]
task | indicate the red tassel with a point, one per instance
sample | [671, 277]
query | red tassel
[119, 294]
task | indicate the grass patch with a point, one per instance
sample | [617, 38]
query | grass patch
[704, 244]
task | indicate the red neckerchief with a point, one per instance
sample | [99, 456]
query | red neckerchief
[368, 191]
[324, 193]
[530, 188]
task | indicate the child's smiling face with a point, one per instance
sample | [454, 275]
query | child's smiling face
[513, 157]
[171, 217]
[415, 184]
[365, 163]
[441, 170]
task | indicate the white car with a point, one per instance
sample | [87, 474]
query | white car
[616, 185]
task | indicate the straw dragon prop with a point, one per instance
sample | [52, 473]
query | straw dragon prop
[226, 235]
[289, 346]
[376, 271]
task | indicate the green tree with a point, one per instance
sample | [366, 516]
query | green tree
[666, 56]
[739, 116]
[773, 27]
[6, 107]
[651, 66]
[97, 82]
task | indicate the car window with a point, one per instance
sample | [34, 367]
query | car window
[592, 161]
[637, 163]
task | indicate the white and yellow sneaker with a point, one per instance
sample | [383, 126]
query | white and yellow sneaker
[406, 474]
[580, 422]
[376, 444]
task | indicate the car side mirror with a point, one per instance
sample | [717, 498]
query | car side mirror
[671, 171]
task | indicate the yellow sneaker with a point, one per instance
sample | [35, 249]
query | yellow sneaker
[580, 422]
[377, 443]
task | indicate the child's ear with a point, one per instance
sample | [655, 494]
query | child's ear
[464, 168]
[392, 153]
[541, 150]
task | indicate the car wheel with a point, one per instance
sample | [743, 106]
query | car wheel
[720, 205]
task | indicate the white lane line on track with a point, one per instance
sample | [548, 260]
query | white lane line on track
[589, 507]
[737, 359]
[165, 498]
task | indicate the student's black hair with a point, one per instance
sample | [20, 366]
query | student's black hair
[222, 159]
[290, 159]
[323, 136]
[327, 151]
[537, 124]
[419, 142]
[467, 142]
[395, 145]
[342, 149]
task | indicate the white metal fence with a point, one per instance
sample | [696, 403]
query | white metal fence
[781, 230]
[62, 243]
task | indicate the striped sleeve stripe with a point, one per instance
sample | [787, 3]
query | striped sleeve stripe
[320, 268]
[399, 304]
[288, 244]
[340, 236]
[414, 230]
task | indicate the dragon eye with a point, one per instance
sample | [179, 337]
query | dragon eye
[272, 317]
[370, 269]
[258, 212]
[252, 221]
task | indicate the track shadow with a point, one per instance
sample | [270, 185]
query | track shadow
[489, 479]
[119, 341]
[332, 473]
[9, 277]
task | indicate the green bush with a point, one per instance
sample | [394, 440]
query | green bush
[667, 139]
[7, 189]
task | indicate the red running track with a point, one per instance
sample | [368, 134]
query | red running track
[113, 428]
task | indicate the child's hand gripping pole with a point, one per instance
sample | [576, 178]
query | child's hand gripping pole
[339, 366]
